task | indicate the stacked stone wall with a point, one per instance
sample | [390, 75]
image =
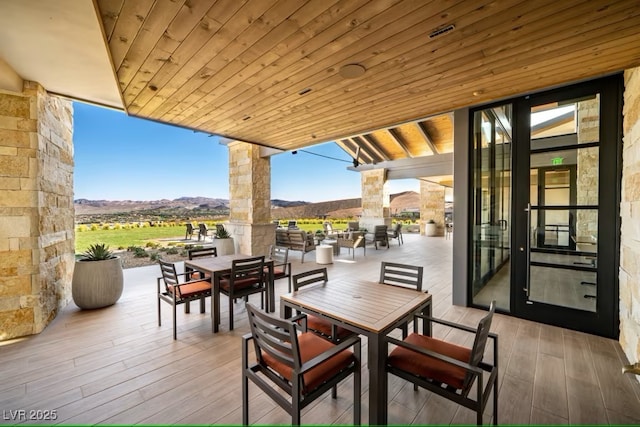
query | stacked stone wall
[375, 199]
[587, 164]
[432, 205]
[630, 218]
[36, 209]
[250, 199]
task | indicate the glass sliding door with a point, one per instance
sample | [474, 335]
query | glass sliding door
[492, 206]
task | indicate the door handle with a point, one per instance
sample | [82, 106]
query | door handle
[527, 252]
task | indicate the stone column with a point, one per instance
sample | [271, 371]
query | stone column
[36, 209]
[630, 219]
[587, 164]
[250, 199]
[432, 206]
[375, 199]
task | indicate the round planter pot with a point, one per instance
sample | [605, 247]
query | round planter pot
[97, 284]
[225, 246]
[431, 229]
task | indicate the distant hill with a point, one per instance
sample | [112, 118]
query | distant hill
[197, 206]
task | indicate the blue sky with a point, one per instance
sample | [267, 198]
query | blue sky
[118, 157]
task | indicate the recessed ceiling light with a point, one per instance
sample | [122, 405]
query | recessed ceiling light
[352, 71]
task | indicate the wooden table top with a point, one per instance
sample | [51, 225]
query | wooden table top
[217, 264]
[367, 305]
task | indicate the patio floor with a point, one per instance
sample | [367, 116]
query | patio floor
[116, 366]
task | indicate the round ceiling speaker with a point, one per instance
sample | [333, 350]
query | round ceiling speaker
[352, 71]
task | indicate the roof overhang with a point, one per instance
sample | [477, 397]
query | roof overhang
[59, 44]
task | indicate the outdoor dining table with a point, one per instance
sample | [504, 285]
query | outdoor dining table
[366, 308]
[217, 267]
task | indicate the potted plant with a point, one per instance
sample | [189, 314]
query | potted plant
[431, 228]
[97, 278]
[223, 241]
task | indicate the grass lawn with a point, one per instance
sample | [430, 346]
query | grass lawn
[126, 237]
[123, 238]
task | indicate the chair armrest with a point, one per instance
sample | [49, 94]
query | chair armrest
[301, 316]
[354, 340]
[446, 323]
[245, 349]
[473, 369]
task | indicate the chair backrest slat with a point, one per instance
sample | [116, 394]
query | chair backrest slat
[310, 277]
[169, 274]
[203, 252]
[280, 254]
[479, 343]
[401, 275]
[248, 268]
[276, 337]
[380, 231]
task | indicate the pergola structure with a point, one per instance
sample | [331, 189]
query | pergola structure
[380, 78]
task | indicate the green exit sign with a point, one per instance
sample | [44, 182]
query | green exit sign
[557, 161]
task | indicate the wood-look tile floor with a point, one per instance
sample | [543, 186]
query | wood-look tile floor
[116, 366]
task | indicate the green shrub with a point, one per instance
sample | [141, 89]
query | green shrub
[94, 227]
[97, 252]
[155, 256]
[140, 253]
[172, 251]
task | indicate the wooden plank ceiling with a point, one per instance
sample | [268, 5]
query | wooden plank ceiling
[269, 71]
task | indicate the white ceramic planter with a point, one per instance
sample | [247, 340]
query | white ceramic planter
[430, 229]
[97, 284]
[225, 246]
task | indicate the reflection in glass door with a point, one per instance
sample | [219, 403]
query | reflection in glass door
[492, 206]
[563, 207]
[546, 176]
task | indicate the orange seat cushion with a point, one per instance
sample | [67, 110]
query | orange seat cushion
[193, 288]
[200, 275]
[311, 346]
[278, 272]
[429, 367]
[239, 284]
[323, 326]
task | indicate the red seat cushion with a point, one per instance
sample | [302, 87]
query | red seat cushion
[239, 283]
[311, 346]
[323, 326]
[429, 367]
[193, 288]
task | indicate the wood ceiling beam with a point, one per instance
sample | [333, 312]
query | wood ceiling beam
[401, 143]
[376, 145]
[364, 151]
[425, 134]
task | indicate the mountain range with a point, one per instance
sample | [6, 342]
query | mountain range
[280, 209]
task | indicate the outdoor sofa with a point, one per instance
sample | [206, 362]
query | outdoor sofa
[295, 240]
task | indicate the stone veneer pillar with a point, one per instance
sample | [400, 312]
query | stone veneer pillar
[431, 205]
[588, 158]
[375, 199]
[630, 219]
[250, 199]
[36, 209]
